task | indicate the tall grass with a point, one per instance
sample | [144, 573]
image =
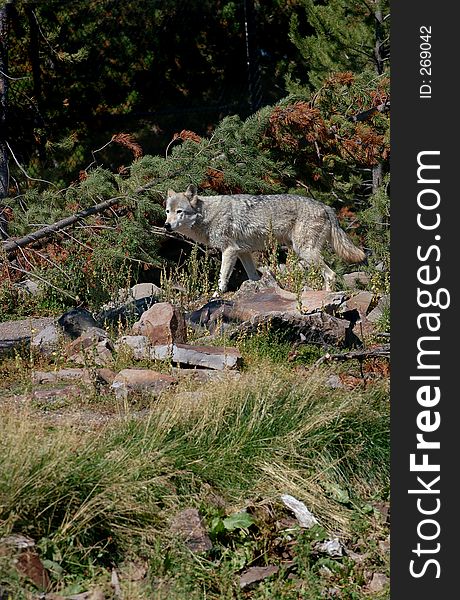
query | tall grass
[91, 495]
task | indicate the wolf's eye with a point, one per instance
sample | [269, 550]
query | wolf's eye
[167, 211]
[179, 211]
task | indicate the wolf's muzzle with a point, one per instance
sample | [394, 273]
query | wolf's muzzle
[167, 226]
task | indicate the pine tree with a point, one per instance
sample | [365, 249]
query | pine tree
[348, 35]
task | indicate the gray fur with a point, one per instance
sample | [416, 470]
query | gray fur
[241, 224]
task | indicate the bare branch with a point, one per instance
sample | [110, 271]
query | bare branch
[24, 171]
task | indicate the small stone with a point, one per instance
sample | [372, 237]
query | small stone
[378, 583]
[25, 559]
[140, 380]
[334, 382]
[304, 517]
[188, 526]
[357, 278]
[29, 286]
[332, 548]
[145, 290]
[384, 545]
[47, 340]
[76, 321]
[256, 574]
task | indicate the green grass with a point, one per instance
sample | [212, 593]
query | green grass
[96, 498]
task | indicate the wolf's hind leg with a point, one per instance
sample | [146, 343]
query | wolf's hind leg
[249, 266]
[312, 258]
[229, 256]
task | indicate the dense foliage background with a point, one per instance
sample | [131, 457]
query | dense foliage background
[100, 99]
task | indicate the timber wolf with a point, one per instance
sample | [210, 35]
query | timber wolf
[241, 224]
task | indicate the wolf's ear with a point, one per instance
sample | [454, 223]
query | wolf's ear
[170, 193]
[191, 194]
[191, 191]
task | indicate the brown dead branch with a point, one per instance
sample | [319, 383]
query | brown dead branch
[382, 351]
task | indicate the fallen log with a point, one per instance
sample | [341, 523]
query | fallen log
[382, 351]
[9, 246]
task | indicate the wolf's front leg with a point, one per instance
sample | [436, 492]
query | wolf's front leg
[229, 256]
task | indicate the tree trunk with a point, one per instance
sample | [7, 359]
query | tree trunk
[377, 170]
[4, 23]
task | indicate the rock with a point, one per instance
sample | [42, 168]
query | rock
[359, 302]
[251, 301]
[355, 279]
[89, 376]
[210, 357]
[89, 338]
[214, 316]
[139, 345]
[145, 290]
[76, 321]
[304, 517]
[316, 328]
[25, 559]
[188, 526]
[95, 594]
[47, 340]
[384, 545]
[140, 380]
[332, 548]
[163, 323]
[378, 583]
[52, 395]
[29, 286]
[334, 382]
[357, 557]
[17, 334]
[92, 347]
[377, 312]
[39, 377]
[256, 574]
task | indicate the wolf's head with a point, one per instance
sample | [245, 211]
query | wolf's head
[181, 209]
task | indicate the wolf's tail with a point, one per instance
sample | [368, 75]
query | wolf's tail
[341, 243]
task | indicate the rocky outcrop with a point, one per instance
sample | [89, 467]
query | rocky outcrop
[163, 323]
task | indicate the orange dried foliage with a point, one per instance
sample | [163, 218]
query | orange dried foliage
[345, 78]
[366, 146]
[128, 141]
[185, 134]
[295, 122]
[345, 213]
[377, 366]
[381, 94]
[215, 180]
